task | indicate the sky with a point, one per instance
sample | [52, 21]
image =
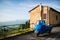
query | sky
[11, 10]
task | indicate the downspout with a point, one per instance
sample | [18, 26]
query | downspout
[41, 12]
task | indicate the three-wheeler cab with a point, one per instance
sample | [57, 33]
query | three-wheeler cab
[40, 28]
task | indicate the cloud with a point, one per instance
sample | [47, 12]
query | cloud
[12, 10]
[54, 5]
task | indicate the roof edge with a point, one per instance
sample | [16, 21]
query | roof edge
[34, 8]
[55, 10]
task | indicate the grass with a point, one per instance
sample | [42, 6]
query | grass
[16, 32]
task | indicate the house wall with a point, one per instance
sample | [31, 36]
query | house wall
[34, 16]
[52, 17]
[46, 12]
[38, 12]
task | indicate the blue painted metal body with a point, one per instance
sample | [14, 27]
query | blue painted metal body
[41, 27]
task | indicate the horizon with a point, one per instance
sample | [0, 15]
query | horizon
[9, 23]
[11, 10]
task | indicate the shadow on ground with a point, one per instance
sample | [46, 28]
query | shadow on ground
[54, 35]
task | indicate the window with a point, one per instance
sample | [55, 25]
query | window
[44, 16]
[56, 17]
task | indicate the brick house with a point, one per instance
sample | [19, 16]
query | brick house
[50, 15]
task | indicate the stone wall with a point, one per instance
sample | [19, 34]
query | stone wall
[34, 16]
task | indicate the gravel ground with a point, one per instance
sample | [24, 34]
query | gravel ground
[55, 35]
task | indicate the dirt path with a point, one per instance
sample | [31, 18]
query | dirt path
[55, 35]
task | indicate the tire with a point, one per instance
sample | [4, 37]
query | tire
[36, 33]
[49, 31]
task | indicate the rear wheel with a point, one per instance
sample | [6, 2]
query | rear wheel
[48, 32]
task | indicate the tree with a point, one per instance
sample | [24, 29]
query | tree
[27, 23]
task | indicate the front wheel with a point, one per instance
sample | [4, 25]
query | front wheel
[36, 33]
